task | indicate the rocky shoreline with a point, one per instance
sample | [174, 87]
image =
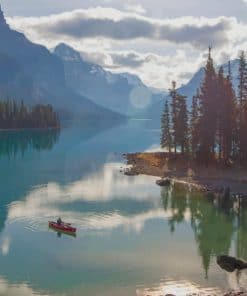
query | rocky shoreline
[211, 180]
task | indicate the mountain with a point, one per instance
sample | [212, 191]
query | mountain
[29, 72]
[124, 93]
[189, 90]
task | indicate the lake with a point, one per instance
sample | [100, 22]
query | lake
[133, 238]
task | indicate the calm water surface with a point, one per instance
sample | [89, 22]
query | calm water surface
[133, 237]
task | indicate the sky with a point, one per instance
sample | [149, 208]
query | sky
[159, 40]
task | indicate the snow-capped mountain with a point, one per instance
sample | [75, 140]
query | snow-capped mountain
[124, 92]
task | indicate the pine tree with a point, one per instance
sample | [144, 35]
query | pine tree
[182, 124]
[208, 113]
[242, 97]
[179, 120]
[242, 87]
[229, 117]
[166, 139]
[13, 115]
[174, 115]
[220, 97]
[194, 120]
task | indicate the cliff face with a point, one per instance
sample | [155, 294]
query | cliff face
[3, 22]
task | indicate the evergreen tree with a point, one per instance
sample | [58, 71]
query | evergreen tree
[220, 112]
[218, 120]
[208, 113]
[14, 116]
[194, 120]
[174, 115]
[166, 138]
[229, 112]
[242, 87]
[242, 97]
[182, 124]
[179, 120]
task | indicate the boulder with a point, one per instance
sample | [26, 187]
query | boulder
[164, 182]
[229, 263]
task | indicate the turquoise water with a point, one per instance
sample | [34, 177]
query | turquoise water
[133, 237]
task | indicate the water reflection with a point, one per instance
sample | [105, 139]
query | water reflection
[115, 213]
[178, 288]
[20, 289]
[130, 236]
[104, 200]
[219, 225]
[16, 142]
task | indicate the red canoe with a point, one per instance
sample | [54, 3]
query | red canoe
[66, 227]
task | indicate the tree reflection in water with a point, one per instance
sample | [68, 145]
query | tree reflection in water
[13, 143]
[216, 222]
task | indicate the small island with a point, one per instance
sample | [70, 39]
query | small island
[206, 144]
[18, 116]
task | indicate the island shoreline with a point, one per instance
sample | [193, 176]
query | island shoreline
[211, 179]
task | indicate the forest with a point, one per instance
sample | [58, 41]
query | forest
[19, 116]
[213, 129]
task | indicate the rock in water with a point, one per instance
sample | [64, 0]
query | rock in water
[229, 263]
[163, 182]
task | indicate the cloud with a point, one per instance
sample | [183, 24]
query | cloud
[156, 50]
[121, 26]
[137, 8]
[99, 58]
[129, 59]
[157, 70]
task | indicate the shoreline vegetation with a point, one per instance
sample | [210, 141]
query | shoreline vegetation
[19, 117]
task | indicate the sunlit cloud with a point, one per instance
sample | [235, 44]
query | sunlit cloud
[137, 8]
[113, 24]
[159, 50]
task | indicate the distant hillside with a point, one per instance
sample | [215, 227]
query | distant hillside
[124, 93]
[29, 72]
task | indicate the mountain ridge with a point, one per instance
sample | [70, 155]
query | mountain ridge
[120, 92]
[43, 73]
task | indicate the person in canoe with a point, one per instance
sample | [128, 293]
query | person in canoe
[59, 221]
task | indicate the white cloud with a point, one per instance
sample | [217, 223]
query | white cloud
[137, 8]
[158, 51]
[115, 25]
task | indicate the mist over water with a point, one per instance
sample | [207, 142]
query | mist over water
[133, 238]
